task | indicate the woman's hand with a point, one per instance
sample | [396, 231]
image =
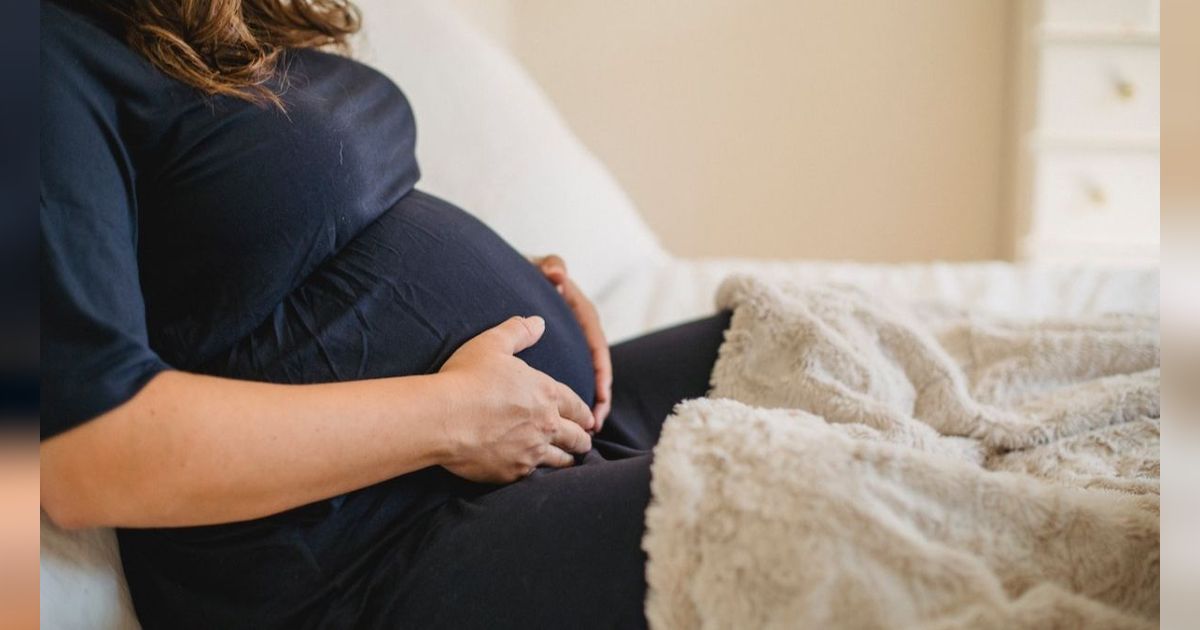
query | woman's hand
[555, 271]
[510, 418]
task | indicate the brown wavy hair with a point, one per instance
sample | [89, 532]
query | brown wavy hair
[233, 47]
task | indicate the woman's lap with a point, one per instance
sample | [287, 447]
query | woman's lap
[562, 547]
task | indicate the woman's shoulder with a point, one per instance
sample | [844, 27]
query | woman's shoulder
[343, 68]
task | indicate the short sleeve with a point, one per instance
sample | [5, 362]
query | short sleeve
[95, 353]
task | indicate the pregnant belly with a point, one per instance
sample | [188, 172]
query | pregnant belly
[401, 297]
[397, 300]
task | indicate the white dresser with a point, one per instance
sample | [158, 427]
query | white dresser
[1085, 177]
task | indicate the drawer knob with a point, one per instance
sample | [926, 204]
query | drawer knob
[1125, 89]
[1095, 194]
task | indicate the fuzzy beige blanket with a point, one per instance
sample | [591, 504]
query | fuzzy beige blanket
[865, 463]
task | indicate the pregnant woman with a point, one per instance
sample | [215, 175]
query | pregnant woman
[307, 394]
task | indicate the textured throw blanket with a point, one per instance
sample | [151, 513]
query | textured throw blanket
[865, 463]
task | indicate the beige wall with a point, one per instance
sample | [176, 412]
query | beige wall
[869, 130]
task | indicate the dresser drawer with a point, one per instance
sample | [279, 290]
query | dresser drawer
[1097, 196]
[1098, 91]
[1100, 14]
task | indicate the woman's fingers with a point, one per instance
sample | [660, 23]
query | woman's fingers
[585, 312]
[572, 408]
[556, 458]
[517, 333]
[602, 360]
[601, 410]
[552, 264]
[570, 438]
[555, 270]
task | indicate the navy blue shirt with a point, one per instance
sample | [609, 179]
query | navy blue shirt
[212, 235]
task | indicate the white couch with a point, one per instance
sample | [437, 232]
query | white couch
[490, 141]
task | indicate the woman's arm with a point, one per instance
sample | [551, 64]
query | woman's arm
[192, 450]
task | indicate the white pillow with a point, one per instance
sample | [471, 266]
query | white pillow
[82, 584]
[490, 141]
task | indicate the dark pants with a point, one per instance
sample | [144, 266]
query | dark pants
[561, 548]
